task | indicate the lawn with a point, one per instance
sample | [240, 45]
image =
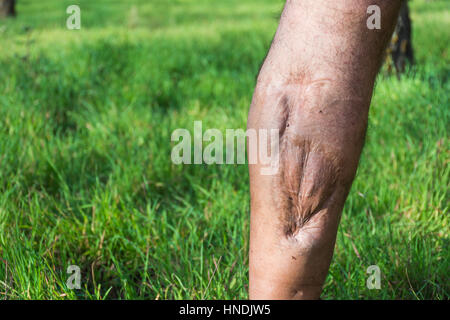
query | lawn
[86, 179]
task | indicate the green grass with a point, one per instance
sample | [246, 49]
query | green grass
[85, 171]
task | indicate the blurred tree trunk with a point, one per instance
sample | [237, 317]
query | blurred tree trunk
[7, 8]
[400, 49]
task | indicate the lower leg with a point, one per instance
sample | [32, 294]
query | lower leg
[315, 88]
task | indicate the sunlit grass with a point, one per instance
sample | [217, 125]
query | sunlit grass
[86, 177]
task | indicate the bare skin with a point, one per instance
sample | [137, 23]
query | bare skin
[315, 87]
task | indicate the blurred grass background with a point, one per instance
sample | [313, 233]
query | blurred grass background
[85, 171]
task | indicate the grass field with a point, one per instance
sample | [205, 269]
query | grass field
[86, 178]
